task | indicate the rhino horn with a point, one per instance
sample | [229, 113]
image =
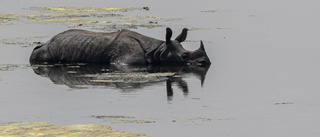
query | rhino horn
[200, 55]
[201, 47]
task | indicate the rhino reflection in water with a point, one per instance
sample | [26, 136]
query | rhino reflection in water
[119, 76]
[122, 47]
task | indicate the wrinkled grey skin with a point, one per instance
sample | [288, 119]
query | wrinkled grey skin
[122, 47]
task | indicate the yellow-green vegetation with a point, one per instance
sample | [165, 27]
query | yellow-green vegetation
[140, 77]
[131, 121]
[21, 41]
[194, 29]
[226, 118]
[10, 67]
[196, 119]
[100, 18]
[70, 16]
[202, 119]
[123, 119]
[112, 117]
[84, 9]
[45, 129]
[97, 17]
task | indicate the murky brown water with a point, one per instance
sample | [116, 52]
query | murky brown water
[264, 80]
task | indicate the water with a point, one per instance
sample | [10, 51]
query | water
[263, 80]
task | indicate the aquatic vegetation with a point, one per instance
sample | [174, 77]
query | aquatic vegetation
[20, 129]
[140, 77]
[99, 18]
[283, 103]
[112, 116]
[132, 121]
[123, 119]
[226, 118]
[194, 29]
[102, 18]
[209, 11]
[84, 9]
[201, 119]
[10, 67]
[32, 41]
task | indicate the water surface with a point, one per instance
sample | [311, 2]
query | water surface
[263, 81]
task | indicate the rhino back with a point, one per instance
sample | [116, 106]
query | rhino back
[124, 50]
[79, 46]
[130, 47]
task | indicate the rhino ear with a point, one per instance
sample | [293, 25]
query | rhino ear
[182, 37]
[168, 35]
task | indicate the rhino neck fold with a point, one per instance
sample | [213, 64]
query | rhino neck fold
[157, 52]
[151, 56]
[106, 57]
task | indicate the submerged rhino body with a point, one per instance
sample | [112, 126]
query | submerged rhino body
[122, 47]
[123, 77]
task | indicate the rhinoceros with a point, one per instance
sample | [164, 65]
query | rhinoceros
[121, 47]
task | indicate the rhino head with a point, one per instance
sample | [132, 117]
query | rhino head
[172, 51]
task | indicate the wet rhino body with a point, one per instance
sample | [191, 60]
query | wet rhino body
[122, 47]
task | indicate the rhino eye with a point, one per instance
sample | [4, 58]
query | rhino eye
[185, 56]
